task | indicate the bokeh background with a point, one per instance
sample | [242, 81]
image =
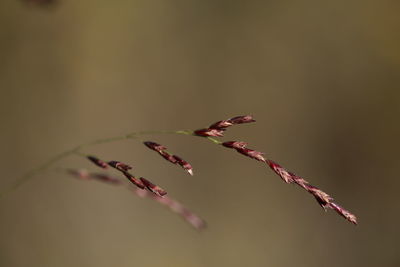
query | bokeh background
[320, 77]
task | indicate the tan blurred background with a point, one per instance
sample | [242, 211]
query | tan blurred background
[320, 77]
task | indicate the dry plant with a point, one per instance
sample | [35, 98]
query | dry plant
[145, 188]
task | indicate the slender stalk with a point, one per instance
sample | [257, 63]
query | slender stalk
[77, 151]
[37, 170]
[215, 141]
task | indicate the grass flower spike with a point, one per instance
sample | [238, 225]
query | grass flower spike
[98, 162]
[146, 188]
[153, 188]
[162, 150]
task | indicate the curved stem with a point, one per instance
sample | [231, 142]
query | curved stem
[77, 149]
[37, 170]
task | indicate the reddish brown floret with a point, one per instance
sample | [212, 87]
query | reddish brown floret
[221, 124]
[345, 213]
[232, 121]
[210, 132]
[98, 162]
[153, 188]
[119, 166]
[322, 198]
[168, 157]
[217, 129]
[184, 164]
[234, 144]
[154, 146]
[241, 119]
[133, 180]
[278, 169]
[241, 148]
[252, 154]
[300, 181]
[171, 158]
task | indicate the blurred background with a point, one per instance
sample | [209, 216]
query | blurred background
[321, 79]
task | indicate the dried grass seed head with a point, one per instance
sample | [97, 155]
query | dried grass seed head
[241, 119]
[207, 132]
[98, 162]
[153, 188]
[154, 146]
[120, 166]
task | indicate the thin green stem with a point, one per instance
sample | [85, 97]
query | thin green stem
[215, 141]
[77, 151]
[37, 170]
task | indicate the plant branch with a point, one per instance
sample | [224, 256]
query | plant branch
[77, 151]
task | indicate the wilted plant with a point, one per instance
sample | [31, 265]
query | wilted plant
[147, 188]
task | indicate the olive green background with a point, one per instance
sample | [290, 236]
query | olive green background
[320, 77]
